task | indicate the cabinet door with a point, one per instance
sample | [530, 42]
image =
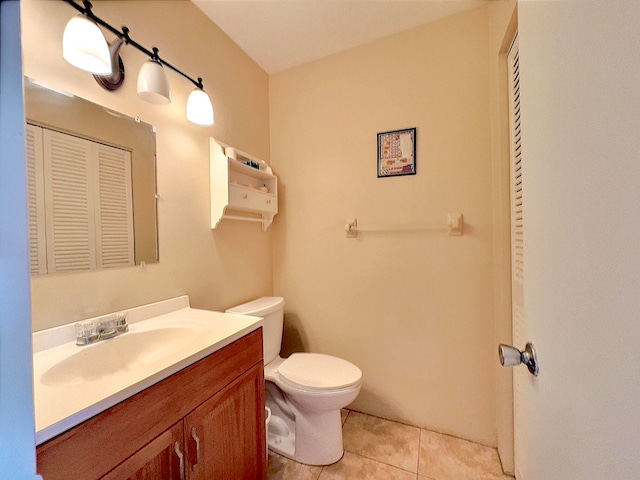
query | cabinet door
[225, 436]
[161, 459]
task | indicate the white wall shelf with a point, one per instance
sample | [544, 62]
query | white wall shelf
[236, 186]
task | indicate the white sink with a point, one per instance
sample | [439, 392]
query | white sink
[72, 383]
[125, 352]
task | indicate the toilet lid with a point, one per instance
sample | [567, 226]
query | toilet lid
[319, 372]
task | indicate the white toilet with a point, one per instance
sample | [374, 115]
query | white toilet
[305, 392]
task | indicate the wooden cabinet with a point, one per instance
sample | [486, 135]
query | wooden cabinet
[204, 422]
[220, 433]
[163, 458]
[236, 186]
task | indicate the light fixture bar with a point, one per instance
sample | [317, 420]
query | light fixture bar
[85, 9]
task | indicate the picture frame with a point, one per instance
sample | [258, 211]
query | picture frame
[397, 153]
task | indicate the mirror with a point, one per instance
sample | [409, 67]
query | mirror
[112, 201]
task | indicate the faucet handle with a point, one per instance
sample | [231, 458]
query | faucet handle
[121, 323]
[86, 333]
[109, 326]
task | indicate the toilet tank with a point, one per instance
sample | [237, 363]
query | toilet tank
[271, 309]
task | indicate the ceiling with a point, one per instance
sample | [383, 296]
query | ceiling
[279, 34]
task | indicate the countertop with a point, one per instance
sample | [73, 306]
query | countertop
[72, 383]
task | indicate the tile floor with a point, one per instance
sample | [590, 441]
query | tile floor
[377, 449]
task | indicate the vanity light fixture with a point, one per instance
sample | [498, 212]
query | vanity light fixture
[113, 80]
[199, 108]
[153, 84]
[84, 46]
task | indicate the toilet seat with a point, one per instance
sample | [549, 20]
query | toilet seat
[318, 372]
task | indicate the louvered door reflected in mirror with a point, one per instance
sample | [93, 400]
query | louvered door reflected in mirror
[91, 184]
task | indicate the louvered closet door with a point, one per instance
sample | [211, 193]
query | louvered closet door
[517, 218]
[35, 191]
[517, 254]
[114, 210]
[70, 227]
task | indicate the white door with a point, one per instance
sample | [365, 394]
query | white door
[580, 115]
[517, 197]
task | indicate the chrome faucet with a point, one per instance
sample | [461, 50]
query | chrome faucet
[93, 331]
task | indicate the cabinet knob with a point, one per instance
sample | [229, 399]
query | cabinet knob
[245, 196]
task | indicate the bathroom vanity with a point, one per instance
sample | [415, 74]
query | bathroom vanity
[203, 421]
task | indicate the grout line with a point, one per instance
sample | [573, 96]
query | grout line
[419, 448]
[346, 416]
[383, 418]
[378, 461]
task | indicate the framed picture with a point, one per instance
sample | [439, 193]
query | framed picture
[397, 153]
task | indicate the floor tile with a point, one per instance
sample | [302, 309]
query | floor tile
[355, 467]
[281, 468]
[387, 442]
[448, 458]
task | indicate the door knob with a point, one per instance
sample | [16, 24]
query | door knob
[511, 357]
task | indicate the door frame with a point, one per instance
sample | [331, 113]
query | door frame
[505, 28]
[17, 423]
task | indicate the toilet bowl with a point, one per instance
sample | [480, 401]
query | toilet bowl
[304, 392]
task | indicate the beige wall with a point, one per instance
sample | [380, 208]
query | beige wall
[414, 310]
[216, 268]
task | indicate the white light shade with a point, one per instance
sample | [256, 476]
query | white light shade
[199, 108]
[84, 46]
[153, 84]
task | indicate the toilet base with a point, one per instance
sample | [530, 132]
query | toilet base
[316, 441]
[281, 439]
